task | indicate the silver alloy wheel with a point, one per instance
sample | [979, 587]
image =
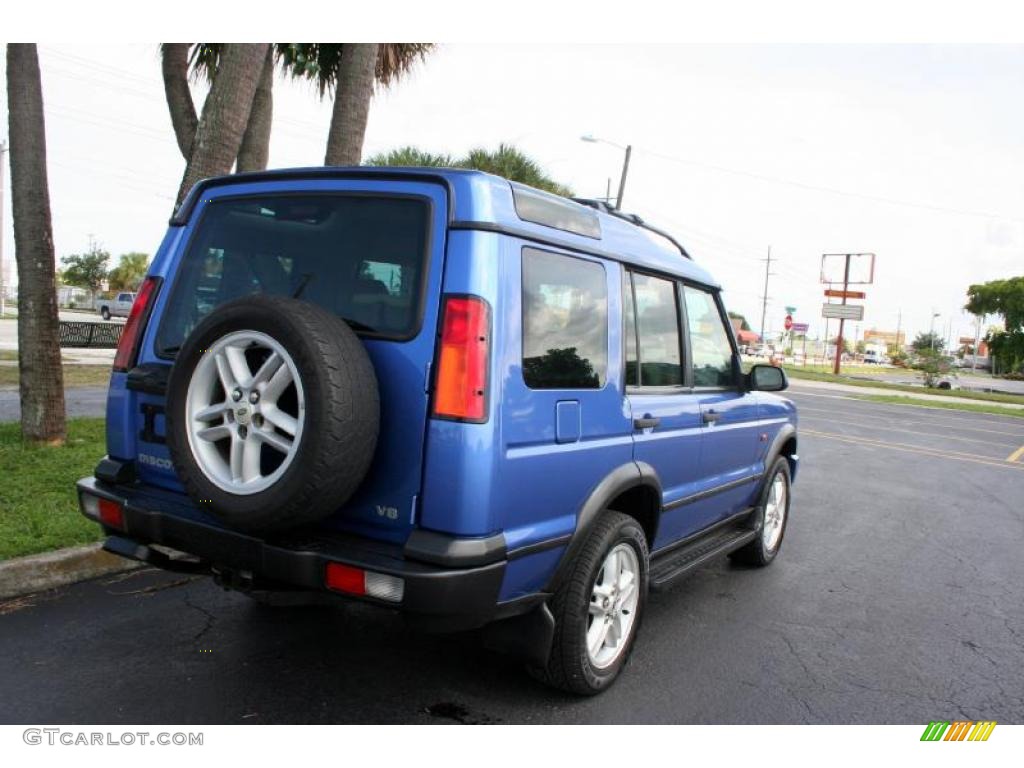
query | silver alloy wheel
[774, 513]
[613, 602]
[234, 413]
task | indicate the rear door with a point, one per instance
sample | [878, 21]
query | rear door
[371, 251]
[666, 415]
[729, 419]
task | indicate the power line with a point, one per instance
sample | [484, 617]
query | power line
[831, 190]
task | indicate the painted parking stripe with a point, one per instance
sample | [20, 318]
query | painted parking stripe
[861, 414]
[973, 458]
[1016, 455]
[947, 436]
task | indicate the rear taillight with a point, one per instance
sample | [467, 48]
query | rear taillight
[103, 510]
[356, 581]
[461, 385]
[131, 334]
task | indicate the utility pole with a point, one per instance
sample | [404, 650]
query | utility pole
[899, 324]
[622, 180]
[842, 320]
[3, 271]
[764, 298]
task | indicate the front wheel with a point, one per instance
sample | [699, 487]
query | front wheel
[598, 608]
[105, 313]
[771, 517]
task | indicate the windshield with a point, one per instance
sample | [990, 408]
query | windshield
[361, 257]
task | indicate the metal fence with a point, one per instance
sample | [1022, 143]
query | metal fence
[95, 335]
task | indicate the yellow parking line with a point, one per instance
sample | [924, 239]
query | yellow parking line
[1016, 455]
[956, 456]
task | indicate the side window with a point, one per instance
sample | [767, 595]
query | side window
[565, 322]
[657, 319]
[710, 349]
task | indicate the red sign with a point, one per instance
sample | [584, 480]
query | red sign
[845, 294]
[789, 322]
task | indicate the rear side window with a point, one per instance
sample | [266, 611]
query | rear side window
[657, 323]
[363, 258]
[565, 322]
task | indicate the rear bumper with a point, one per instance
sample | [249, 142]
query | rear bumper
[435, 597]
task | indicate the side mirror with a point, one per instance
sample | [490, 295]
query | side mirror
[766, 378]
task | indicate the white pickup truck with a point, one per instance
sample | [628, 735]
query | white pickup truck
[118, 305]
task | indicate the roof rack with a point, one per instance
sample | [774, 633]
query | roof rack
[632, 218]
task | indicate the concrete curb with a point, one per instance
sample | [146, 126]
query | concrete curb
[35, 573]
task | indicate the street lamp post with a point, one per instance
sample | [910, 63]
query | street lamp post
[628, 149]
[931, 331]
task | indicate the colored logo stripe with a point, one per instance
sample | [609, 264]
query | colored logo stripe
[959, 730]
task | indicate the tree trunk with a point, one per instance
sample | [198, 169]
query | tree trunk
[352, 95]
[225, 114]
[174, 63]
[41, 379]
[256, 142]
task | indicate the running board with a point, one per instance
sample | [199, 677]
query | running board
[679, 562]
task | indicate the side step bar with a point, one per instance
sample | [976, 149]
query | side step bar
[666, 568]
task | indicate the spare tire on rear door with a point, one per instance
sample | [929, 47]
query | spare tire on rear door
[272, 413]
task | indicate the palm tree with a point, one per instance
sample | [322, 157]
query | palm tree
[506, 161]
[225, 117]
[513, 164]
[41, 378]
[203, 60]
[412, 157]
[352, 95]
[344, 70]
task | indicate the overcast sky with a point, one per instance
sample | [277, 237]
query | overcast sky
[913, 152]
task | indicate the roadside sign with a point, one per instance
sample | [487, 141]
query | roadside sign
[843, 311]
[790, 310]
[800, 327]
[789, 322]
[836, 294]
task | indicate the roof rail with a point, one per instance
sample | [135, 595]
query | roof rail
[632, 218]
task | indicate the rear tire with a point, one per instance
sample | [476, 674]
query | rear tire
[771, 518]
[573, 665]
[105, 313]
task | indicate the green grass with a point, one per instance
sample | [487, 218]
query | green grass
[991, 397]
[8, 354]
[74, 376]
[38, 504]
[970, 407]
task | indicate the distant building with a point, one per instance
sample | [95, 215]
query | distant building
[746, 338]
[873, 335]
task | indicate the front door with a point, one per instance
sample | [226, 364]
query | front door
[728, 464]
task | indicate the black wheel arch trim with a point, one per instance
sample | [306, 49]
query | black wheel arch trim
[621, 479]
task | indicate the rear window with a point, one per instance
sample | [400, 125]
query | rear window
[363, 258]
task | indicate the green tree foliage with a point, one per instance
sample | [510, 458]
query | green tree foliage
[86, 270]
[411, 157]
[1004, 298]
[932, 365]
[928, 341]
[744, 325]
[129, 272]
[506, 160]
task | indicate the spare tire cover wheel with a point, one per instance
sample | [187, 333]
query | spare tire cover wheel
[272, 413]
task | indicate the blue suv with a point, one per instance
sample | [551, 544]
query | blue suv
[445, 393]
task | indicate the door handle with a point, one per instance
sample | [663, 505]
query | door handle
[710, 417]
[646, 423]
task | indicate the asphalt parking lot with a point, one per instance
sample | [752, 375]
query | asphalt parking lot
[898, 597]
